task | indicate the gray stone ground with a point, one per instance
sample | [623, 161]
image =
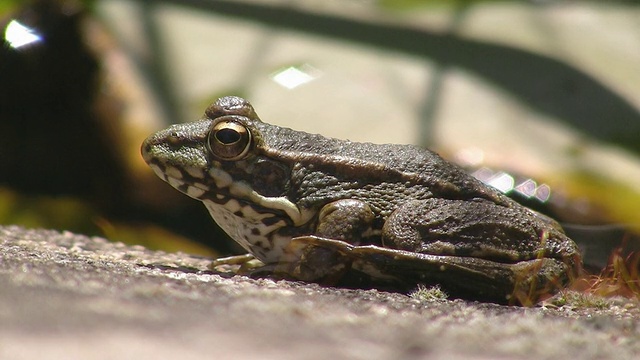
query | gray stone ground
[67, 296]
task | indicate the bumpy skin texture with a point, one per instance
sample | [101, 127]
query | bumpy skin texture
[473, 228]
[323, 209]
[384, 176]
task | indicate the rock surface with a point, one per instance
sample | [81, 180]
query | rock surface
[67, 296]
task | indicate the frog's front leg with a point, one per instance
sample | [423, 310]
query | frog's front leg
[532, 257]
[237, 264]
[345, 220]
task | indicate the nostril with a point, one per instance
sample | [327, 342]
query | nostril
[146, 146]
[174, 139]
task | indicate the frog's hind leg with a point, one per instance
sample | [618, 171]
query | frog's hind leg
[520, 255]
[328, 262]
[522, 283]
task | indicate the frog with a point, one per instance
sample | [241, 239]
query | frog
[343, 213]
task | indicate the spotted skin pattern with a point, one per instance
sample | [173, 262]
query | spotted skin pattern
[319, 208]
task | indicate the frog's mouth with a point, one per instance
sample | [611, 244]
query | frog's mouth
[180, 180]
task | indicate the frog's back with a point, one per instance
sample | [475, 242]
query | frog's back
[410, 158]
[391, 172]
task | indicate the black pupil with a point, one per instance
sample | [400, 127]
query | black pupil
[227, 136]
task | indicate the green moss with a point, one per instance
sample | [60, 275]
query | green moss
[426, 294]
[580, 300]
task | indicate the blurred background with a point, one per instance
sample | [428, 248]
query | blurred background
[540, 99]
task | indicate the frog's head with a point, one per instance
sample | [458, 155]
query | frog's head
[223, 161]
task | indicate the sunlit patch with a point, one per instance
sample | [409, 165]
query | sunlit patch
[483, 174]
[470, 157]
[18, 35]
[530, 189]
[527, 188]
[500, 180]
[506, 183]
[294, 76]
[543, 192]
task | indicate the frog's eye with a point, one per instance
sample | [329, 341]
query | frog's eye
[229, 140]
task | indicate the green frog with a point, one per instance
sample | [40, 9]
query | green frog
[331, 211]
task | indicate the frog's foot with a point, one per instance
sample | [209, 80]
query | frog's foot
[536, 280]
[305, 258]
[237, 264]
[518, 283]
[232, 260]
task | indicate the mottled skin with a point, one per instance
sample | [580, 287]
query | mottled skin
[325, 210]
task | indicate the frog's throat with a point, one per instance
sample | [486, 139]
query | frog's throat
[193, 183]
